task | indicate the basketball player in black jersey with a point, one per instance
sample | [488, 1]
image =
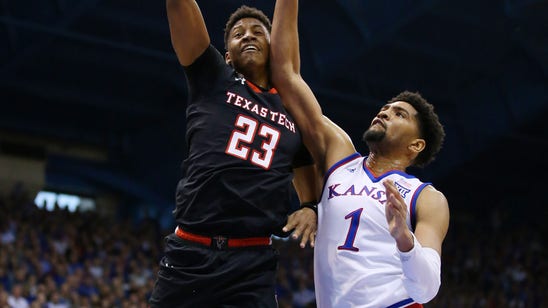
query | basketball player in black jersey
[244, 153]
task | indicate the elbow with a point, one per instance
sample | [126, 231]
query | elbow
[422, 273]
[172, 5]
[422, 292]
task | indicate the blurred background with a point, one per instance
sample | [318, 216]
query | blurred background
[92, 137]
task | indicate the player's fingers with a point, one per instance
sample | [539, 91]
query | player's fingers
[388, 184]
[312, 239]
[391, 190]
[393, 202]
[295, 221]
[303, 231]
[399, 206]
[308, 236]
[298, 231]
[291, 222]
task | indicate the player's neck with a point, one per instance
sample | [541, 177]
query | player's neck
[258, 77]
[380, 164]
[262, 83]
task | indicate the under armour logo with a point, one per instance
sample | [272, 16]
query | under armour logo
[351, 170]
[240, 79]
[220, 242]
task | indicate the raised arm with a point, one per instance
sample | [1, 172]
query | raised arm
[326, 141]
[189, 35]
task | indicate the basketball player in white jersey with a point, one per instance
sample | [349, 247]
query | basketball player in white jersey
[380, 230]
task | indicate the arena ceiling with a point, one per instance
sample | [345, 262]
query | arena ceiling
[102, 75]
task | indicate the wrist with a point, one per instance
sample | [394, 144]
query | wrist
[406, 242]
[313, 205]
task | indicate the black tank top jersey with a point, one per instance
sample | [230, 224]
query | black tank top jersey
[242, 147]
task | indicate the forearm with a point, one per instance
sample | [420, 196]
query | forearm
[188, 31]
[421, 271]
[306, 183]
[296, 94]
[285, 57]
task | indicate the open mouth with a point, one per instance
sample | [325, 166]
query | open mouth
[250, 48]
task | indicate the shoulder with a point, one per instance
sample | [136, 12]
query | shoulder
[209, 71]
[431, 195]
[432, 202]
[209, 59]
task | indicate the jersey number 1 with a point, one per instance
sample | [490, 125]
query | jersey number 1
[352, 230]
[244, 134]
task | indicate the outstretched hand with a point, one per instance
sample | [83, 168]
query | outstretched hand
[396, 211]
[304, 222]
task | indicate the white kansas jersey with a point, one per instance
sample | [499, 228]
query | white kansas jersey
[356, 262]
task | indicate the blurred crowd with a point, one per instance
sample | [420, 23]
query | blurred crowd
[495, 257]
[61, 259]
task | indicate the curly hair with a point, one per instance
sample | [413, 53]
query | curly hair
[244, 12]
[430, 128]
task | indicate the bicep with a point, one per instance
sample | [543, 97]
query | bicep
[188, 31]
[432, 219]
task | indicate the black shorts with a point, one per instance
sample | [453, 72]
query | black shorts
[195, 276]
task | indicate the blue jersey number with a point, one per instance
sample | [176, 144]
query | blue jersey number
[352, 230]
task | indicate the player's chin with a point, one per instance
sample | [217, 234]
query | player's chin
[254, 59]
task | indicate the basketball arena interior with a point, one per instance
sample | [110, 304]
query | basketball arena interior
[92, 124]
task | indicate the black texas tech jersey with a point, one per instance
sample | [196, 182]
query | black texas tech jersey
[242, 146]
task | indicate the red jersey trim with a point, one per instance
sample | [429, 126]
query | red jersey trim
[258, 90]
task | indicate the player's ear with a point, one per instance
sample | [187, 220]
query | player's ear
[417, 145]
[227, 59]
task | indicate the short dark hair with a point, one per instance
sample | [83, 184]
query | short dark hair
[244, 12]
[430, 128]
